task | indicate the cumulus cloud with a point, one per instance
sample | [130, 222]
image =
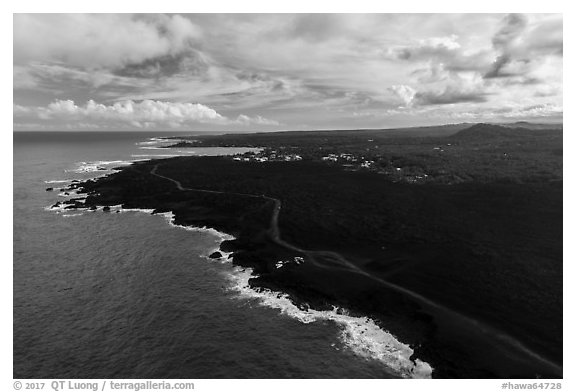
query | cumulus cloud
[425, 48]
[446, 52]
[100, 40]
[432, 73]
[259, 120]
[317, 70]
[518, 49]
[405, 93]
[523, 54]
[452, 94]
[147, 113]
[129, 112]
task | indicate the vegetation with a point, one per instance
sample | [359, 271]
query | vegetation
[455, 154]
[482, 234]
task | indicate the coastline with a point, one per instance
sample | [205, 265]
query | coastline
[304, 284]
[360, 334]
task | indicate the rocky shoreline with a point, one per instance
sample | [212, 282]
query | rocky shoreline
[318, 285]
[273, 267]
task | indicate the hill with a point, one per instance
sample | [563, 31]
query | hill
[533, 126]
[487, 133]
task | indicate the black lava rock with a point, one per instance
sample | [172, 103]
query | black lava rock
[229, 245]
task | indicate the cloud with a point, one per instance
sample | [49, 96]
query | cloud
[547, 37]
[438, 47]
[315, 27]
[100, 40]
[147, 113]
[450, 96]
[23, 79]
[191, 62]
[533, 111]
[432, 73]
[518, 48]
[143, 113]
[51, 77]
[542, 112]
[446, 52]
[513, 25]
[405, 93]
[259, 120]
[316, 70]
[522, 46]
[522, 56]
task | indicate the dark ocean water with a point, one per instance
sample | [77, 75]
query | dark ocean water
[127, 295]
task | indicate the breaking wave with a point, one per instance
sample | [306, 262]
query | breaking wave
[89, 167]
[359, 334]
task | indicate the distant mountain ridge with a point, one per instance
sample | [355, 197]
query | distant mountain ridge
[530, 125]
[487, 131]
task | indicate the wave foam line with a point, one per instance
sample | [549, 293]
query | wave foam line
[93, 166]
[154, 155]
[154, 140]
[144, 210]
[360, 334]
[148, 143]
[62, 208]
[59, 181]
[169, 216]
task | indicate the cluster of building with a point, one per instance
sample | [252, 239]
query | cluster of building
[349, 160]
[267, 156]
[340, 157]
[408, 174]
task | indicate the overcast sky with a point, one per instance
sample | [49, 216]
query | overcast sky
[269, 72]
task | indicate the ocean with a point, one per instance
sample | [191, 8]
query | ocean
[129, 295]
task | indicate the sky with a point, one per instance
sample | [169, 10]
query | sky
[267, 72]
